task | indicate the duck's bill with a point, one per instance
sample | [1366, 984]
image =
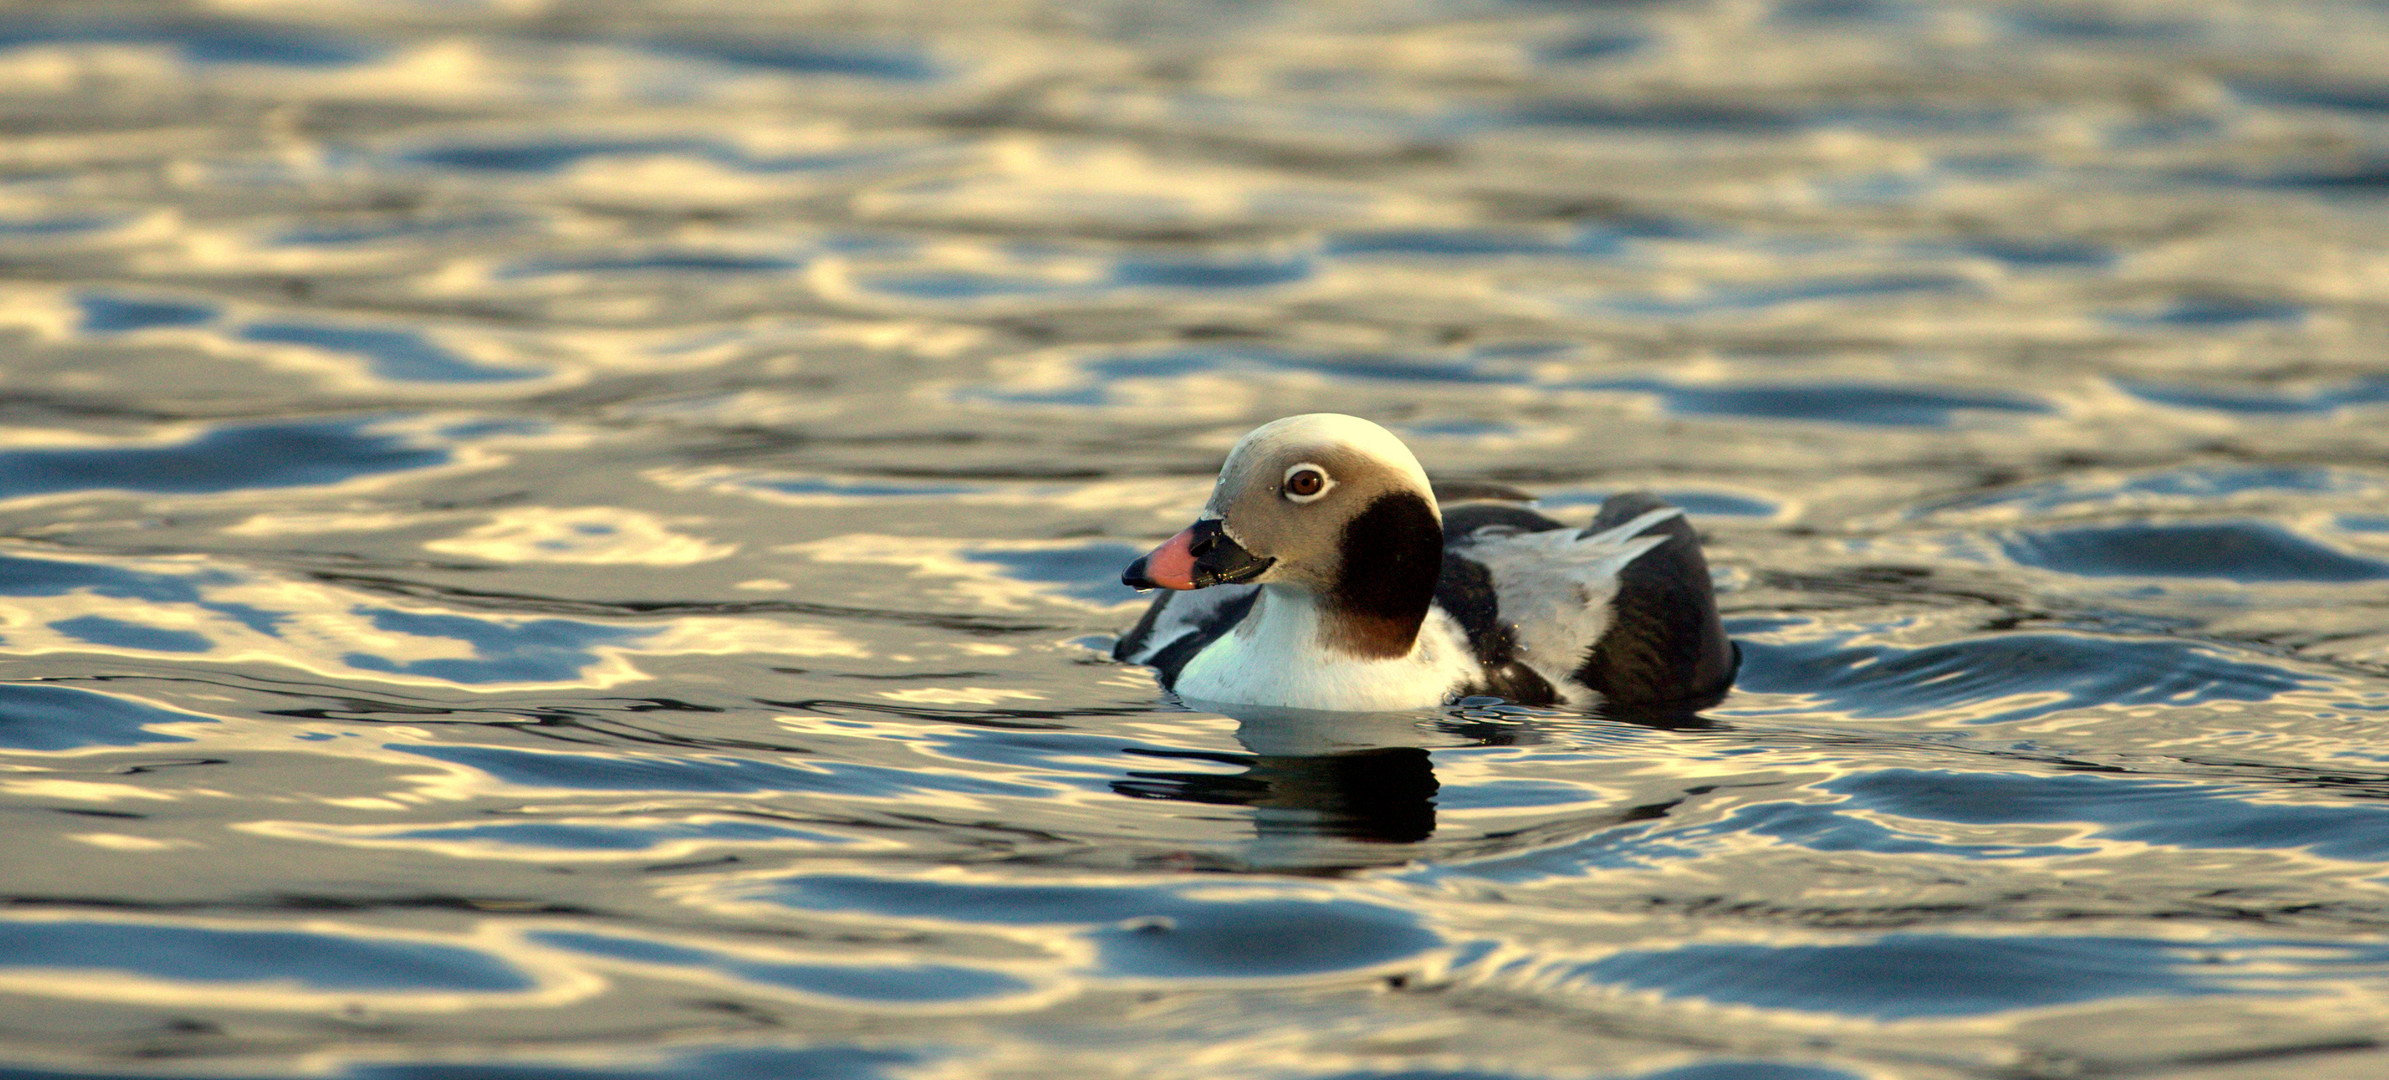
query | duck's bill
[1203, 555]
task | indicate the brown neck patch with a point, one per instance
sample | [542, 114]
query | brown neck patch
[1369, 636]
[1392, 553]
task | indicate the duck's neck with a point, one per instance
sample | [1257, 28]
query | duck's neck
[1393, 552]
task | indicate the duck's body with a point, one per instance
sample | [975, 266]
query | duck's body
[1243, 662]
[1352, 588]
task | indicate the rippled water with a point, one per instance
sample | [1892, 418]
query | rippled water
[579, 539]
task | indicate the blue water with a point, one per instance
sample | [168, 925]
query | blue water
[576, 540]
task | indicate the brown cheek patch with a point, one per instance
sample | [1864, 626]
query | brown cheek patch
[1392, 555]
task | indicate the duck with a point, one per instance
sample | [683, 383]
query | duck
[1326, 572]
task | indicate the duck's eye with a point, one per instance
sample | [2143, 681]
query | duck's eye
[1306, 482]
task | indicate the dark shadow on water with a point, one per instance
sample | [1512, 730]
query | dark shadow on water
[1653, 116]
[2209, 312]
[197, 40]
[1899, 976]
[1761, 296]
[1172, 929]
[802, 56]
[549, 156]
[1721, 1069]
[657, 262]
[1844, 403]
[534, 154]
[534, 651]
[2179, 485]
[314, 960]
[1385, 795]
[816, 1062]
[1197, 273]
[289, 454]
[1594, 45]
[2006, 677]
[2258, 401]
[57, 718]
[106, 314]
[102, 630]
[2243, 551]
[1365, 777]
[2363, 178]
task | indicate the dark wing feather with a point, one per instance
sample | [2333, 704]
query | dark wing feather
[1179, 624]
[1665, 645]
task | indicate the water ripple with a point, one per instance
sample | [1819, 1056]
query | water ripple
[1149, 932]
[2009, 677]
[2143, 811]
[1909, 975]
[583, 540]
[860, 982]
[227, 458]
[541, 769]
[203, 41]
[392, 353]
[2235, 551]
[58, 718]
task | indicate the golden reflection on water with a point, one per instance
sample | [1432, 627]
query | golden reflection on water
[602, 527]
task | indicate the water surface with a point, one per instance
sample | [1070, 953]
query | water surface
[580, 540]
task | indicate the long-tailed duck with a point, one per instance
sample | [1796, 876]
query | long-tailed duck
[1331, 578]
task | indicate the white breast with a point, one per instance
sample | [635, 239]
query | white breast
[1274, 657]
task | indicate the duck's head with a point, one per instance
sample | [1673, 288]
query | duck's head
[1325, 503]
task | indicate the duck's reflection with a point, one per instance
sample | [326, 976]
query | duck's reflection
[1385, 795]
[1365, 777]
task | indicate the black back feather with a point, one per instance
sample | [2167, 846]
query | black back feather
[1665, 645]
